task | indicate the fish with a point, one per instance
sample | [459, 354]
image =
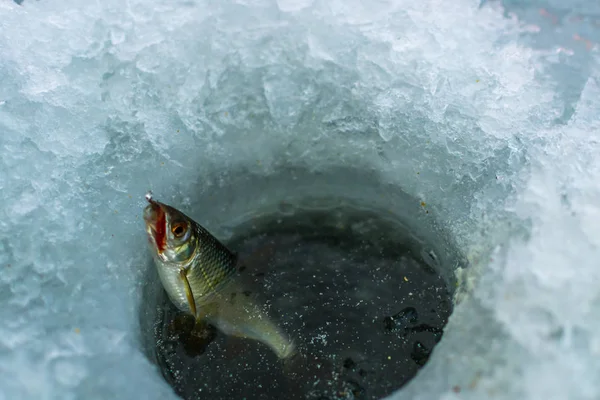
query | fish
[201, 277]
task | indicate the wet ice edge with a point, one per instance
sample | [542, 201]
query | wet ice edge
[101, 102]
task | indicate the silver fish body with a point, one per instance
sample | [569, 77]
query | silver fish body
[200, 277]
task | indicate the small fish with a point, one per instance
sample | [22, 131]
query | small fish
[200, 276]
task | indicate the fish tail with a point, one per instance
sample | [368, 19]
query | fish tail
[246, 319]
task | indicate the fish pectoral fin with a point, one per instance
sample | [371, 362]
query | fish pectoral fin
[188, 291]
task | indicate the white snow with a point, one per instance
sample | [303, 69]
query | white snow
[493, 124]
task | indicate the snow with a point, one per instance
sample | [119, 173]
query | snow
[487, 114]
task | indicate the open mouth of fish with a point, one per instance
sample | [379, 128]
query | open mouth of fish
[155, 218]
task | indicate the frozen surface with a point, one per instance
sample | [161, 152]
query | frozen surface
[487, 114]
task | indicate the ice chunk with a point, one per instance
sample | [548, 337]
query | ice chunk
[489, 115]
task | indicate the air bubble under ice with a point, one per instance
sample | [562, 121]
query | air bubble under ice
[489, 114]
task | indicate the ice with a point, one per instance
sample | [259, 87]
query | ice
[489, 114]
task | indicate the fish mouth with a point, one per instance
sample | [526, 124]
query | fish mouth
[156, 223]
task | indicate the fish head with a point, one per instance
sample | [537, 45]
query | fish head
[170, 232]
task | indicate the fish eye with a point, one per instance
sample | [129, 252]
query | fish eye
[178, 229]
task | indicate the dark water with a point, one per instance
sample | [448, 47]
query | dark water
[361, 304]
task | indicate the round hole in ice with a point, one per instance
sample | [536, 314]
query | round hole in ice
[357, 272]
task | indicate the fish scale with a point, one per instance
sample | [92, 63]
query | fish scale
[200, 276]
[212, 268]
